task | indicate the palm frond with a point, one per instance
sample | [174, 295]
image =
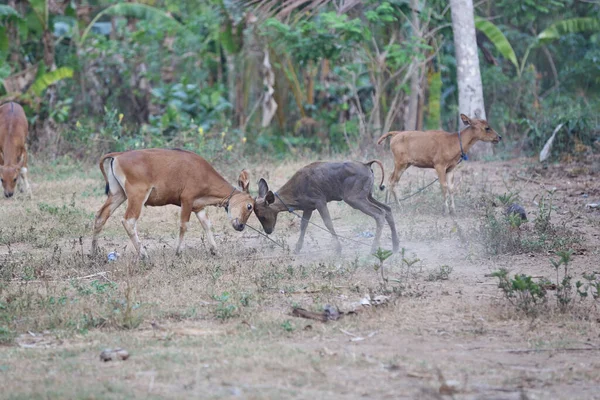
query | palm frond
[495, 35]
[49, 78]
[572, 25]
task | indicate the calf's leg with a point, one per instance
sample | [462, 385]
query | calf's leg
[441, 171]
[206, 224]
[363, 204]
[324, 212]
[450, 175]
[303, 225]
[389, 217]
[399, 169]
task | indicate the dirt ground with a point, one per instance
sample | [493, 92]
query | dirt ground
[203, 326]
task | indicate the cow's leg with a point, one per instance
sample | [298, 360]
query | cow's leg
[206, 224]
[186, 212]
[389, 217]
[324, 212]
[303, 225]
[362, 203]
[441, 171]
[136, 200]
[399, 169]
[110, 205]
[450, 176]
[23, 174]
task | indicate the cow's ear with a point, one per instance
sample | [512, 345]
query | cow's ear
[270, 198]
[465, 119]
[263, 188]
[244, 181]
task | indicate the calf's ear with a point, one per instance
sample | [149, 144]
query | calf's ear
[465, 119]
[244, 181]
[263, 188]
[269, 198]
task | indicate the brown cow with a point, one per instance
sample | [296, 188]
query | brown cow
[157, 177]
[13, 152]
[436, 149]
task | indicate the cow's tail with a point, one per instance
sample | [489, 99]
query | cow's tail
[369, 163]
[106, 162]
[385, 136]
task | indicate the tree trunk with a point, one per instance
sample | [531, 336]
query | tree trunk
[411, 114]
[48, 41]
[470, 90]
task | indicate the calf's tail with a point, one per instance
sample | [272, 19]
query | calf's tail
[385, 136]
[368, 163]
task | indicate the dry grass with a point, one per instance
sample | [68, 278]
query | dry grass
[220, 327]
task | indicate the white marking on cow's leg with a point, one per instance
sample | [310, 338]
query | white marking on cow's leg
[186, 210]
[441, 171]
[206, 224]
[23, 174]
[132, 214]
[451, 191]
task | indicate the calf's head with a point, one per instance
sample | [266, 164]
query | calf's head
[241, 204]
[482, 129]
[266, 214]
[9, 175]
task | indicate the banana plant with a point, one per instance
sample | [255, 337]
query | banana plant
[7, 13]
[133, 10]
[553, 32]
[49, 78]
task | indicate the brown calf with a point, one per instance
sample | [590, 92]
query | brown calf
[313, 186]
[157, 177]
[436, 149]
[13, 154]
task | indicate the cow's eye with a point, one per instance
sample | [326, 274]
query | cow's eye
[15, 180]
[249, 207]
[487, 128]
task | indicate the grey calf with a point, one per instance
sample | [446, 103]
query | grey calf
[313, 186]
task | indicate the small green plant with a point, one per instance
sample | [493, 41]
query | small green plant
[542, 222]
[440, 274]
[225, 310]
[521, 291]
[508, 198]
[245, 299]
[591, 285]
[564, 287]
[288, 326]
[382, 255]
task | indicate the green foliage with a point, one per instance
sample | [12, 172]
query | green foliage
[432, 120]
[134, 10]
[568, 26]
[508, 234]
[325, 37]
[288, 326]
[224, 310]
[521, 291]
[495, 35]
[440, 274]
[49, 78]
[8, 12]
